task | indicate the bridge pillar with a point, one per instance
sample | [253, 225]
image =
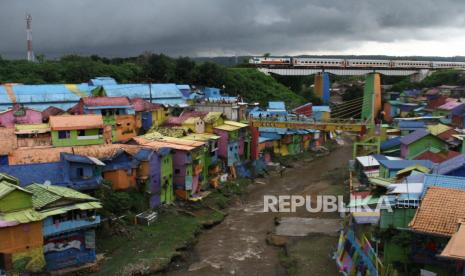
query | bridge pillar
[321, 87]
[371, 96]
[420, 75]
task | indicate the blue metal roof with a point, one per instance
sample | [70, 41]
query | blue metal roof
[450, 165]
[401, 164]
[414, 136]
[280, 131]
[390, 143]
[321, 108]
[445, 181]
[280, 106]
[102, 81]
[411, 125]
[42, 96]
[211, 92]
[161, 93]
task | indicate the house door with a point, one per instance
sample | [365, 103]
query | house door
[167, 191]
[5, 262]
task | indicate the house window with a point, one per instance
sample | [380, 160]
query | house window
[64, 134]
[81, 132]
[80, 172]
[177, 171]
[100, 131]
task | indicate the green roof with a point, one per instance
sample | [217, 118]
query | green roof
[6, 188]
[46, 194]
[211, 117]
[9, 179]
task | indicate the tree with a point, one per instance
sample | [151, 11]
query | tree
[184, 72]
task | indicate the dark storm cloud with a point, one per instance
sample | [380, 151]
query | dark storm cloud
[211, 27]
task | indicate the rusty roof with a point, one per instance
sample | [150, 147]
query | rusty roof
[51, 154]
[106, 101]
[8, 140]
[440, 211]
[143, 105]
[455, 248]
[168, 142]
[71, 122]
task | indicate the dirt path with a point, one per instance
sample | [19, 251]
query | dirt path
[238, 245]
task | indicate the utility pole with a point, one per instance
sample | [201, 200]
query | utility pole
[30, 53]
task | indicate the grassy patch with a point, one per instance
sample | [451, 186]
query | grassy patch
[288, 262]
[312, 255]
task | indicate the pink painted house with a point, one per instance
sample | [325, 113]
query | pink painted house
[20, 115]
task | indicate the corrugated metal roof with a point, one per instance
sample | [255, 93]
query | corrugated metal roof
[31, 128]
[438, 129]
[445, 181]
[161, 93]
[414, 136]
[106, 101]
[203, 137]
[411, 125]
[279, 106]
[6, 188]
[321, 108]
[237, 124]
[227, 127]
[64, 122]
[450, 105]
[401, 164]
[43, 195]
[102, 81]
[450, 165]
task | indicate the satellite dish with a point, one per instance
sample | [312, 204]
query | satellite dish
[47, 182]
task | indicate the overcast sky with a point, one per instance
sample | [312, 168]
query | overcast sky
[230, 27]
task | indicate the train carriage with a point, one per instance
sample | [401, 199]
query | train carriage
[270, 60]
[372, 63]
[318, 62]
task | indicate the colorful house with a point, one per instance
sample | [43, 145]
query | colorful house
[304, 110]
[233, 143]
[120, 169]
[69, 170]
[418, 142]
[37, 135]
[21, 234]
[435, 222]
[406, 126]
[116, 112]
[448, 108]
[20, 115]
[188, 163]
[77, 130]
[68, 227]
[389, 168]
[148, 114]
[156, 170]
[453, 167]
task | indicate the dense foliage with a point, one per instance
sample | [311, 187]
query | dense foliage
[252, 85]
[442, 77]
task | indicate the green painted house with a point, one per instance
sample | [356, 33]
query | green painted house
[77, 130]
[12, 196]
[418, 142]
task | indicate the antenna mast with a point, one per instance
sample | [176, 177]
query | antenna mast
[30, 53]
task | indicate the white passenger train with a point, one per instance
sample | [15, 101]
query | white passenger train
[352, 63]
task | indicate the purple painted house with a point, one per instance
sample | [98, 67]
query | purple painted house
[20, 115]
[156, 171]
[233, 143]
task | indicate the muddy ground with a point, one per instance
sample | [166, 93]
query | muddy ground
[238, 246]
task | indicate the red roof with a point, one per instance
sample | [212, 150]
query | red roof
[305, 109]
[143, 105]
[106, 101]
[51, 111]
[437, 157]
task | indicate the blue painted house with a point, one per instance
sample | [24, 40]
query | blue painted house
[453, 167]
[72, 171]
[389, 168]
[69, 225]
